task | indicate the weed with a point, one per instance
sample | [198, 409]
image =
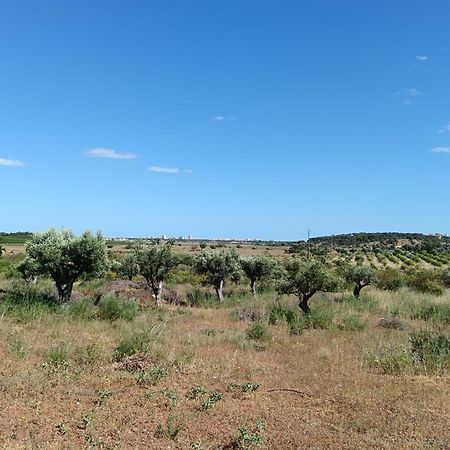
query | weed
[197, 391]
[171, 428]
[280, 314]
[211, 401]
[249, 439]
[103, 395]
[57, 358]
[390, 360]
[113, 308]
[83, 309]
[88, 355]
[430, 350]
[258, 332]
[245, 388]
[153, 377]
[352, 323]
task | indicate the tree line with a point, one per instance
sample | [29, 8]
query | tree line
[67, 258]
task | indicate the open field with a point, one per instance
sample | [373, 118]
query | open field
[199, 377]
[109, 369]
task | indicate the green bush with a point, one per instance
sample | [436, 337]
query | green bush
[426, 281]
[113, 308]
[138, 342]
[280, 314]
[434, 312]
[321, 317]
[390, 360]
[352, 323]
[258, 332]
[82, 309]
[389, 279]
[430, 350]
[23, 294]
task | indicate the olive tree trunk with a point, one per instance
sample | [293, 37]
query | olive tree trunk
[358, 287]
[219, 291]
[64, 292]
[253, 287]
[303, 304]
[157, 290]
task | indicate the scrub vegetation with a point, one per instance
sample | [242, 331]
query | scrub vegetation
[160, 345]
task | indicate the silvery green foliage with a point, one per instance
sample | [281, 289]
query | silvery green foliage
[218, 266]
[258, 268]
[65, 258]
[305, 278]
[362, 276]
[155, 263]
[128, 266]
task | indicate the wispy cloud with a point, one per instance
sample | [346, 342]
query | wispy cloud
[413, 92]
[445, 129]
[158, 169]
[422, 58]
[409, 95]
[170, 170]
[222, 118]
[108, 154]
[441, 150]
[11, 163]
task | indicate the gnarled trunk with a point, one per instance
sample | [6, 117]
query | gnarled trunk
[253, 287]
[358, 287]
[157, 291]
[64, 292]
[303, 305]
[219, 291]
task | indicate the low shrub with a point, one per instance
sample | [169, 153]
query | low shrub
[113, 308]
[389, 279]
[430, 350]
[280, 314]
[426, 281]
[321, 317]
[432, 312]
[351, 322]
[21, 293]
[258, 332]
[82, 309]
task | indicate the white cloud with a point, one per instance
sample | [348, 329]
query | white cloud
[108, 153]
[158, 169]
[409, 95]
[421, 57]
[413, 92]
[189, 171]
[219, 118]
[11, 163]
[441, 149]
[445, 129]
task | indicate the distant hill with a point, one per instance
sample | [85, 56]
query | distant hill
[374, 241]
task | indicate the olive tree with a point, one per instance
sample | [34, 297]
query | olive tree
[362, 276]
[304, 279]
[128, 266]
[65, 258]
[218, 266]
[258, 268]
[155, 263]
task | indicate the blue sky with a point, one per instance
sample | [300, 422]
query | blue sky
[244, 118]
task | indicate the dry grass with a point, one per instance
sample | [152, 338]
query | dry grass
[61, 387]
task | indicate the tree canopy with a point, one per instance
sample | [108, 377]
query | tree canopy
[305, 278]
[65, 258]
